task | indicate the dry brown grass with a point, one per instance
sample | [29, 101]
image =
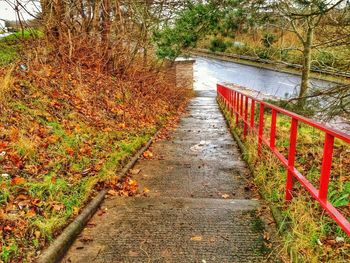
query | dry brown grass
[6, 82]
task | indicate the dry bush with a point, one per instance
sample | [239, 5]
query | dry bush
[126, 93]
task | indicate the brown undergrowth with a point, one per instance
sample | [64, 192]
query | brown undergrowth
[67, 123]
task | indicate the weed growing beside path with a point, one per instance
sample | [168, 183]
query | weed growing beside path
[311, 235]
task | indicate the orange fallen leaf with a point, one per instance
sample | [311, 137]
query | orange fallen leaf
[36, 202]
[70, 151]
[52, 139]
[132, 182]
[31, 213]
[148, 154]
[122, 125]
[18, 180]
[22, 197]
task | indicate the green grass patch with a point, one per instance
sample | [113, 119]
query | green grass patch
[11, 45]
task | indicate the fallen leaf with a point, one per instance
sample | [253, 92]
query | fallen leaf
[225, 196]
[266, 235]
[70, 151]
[22, 197]
[148, 154]
[135, 171]
[18, 180]
[37, 234]
[112, 192]
[75, 210]
[57, 207]
[35, 202]
[8, 228]
[31, 213]
[52, 139]
[196, 238]
[146, 190]
[132, 182]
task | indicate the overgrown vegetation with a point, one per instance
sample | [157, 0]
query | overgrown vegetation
[75, 104]
[310, 235]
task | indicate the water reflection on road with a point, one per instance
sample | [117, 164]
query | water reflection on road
[208, 72]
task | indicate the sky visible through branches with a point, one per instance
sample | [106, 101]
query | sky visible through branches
[7, 12]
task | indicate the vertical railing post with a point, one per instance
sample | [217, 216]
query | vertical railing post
[231, 100]
[273, 129]
[237, 106]
[252, 114]
[231, 112]
[291, 158]
[245, 117]
[326, 166]
[234, 103]
[241, 106]
[261, 127]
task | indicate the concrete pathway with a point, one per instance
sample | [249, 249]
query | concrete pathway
[199, 208]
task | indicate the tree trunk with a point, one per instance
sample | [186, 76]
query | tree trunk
[306, 66]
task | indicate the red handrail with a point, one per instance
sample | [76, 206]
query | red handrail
[238, 104]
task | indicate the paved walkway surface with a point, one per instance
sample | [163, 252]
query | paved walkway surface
[199, 208]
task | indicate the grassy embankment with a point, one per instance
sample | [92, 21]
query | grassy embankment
[309, 233]
[283, 47]
[64, 129]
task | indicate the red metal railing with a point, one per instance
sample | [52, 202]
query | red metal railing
[238, 105]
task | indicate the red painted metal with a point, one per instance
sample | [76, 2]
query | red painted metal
[252, 114]
[245, 117]
[273, 129]
[326, 166]
[291, 158]
[261, 127]
[237, 106]
[320, 194]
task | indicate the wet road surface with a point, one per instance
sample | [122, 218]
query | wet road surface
[199, 207]
[208, 72]
[5, 35]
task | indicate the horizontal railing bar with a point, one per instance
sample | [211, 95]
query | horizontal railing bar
[338, 134]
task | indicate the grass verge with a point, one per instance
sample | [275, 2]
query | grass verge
[309, 234]
[11, 45]
[66, 129]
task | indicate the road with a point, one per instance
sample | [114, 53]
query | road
[208, 72]
[5, 35]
